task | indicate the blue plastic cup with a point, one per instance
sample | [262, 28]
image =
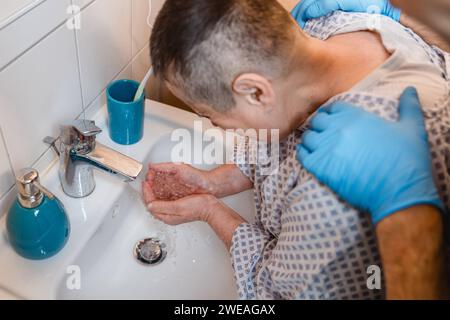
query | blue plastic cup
[126, 117]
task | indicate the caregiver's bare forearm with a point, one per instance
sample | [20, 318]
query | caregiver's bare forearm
[289, 4]
[227, 180]
[411, 248]
[224, 221]
[425, 32]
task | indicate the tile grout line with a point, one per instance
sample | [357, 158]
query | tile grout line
[132, 34]
[77, 52]
[33, 45]
[79, 76]
[84, 107]
[42, 38]
[16, 16]
[129, 64]
[8, 155]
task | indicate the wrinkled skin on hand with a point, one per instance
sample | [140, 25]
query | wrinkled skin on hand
[166, 186]
[177, 193]
[170, 182]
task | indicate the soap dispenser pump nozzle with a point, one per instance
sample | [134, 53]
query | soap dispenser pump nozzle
[37, 224]
[31, 192]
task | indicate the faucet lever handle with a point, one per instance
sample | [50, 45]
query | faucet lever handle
[86, 128]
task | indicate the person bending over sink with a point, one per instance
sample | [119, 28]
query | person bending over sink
[246, 64]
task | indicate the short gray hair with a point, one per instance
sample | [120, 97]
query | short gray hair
[201, 46]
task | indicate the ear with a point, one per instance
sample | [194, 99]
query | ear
[255, 89]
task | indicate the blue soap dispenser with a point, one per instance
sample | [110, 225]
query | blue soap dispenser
[37, 224]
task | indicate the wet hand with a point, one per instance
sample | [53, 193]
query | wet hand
[188, 209]
[170, 181]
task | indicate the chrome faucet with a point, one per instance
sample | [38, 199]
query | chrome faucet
[79, 154]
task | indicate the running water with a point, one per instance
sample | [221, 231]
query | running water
[136, 186]
[157, 229]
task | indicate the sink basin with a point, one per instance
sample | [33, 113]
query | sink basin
[197, 265]
[107, 225]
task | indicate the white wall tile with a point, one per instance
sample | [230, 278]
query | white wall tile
[6, 175]
[39, 82]
[82, 3]
[100, 101]
[12, 8]
[104, 44]
[7, 200]
[38, 92]
[21, 34]
[141, 63]
[141, 29]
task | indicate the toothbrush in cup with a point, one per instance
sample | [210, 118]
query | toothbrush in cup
[141, 88]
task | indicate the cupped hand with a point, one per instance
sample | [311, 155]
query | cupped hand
[170, 181]
[188, 209]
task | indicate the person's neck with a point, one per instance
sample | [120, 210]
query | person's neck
[334, 66]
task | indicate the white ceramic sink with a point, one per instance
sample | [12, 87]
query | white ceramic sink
[107, 225]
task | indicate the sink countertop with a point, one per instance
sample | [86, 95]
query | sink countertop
[40, 279]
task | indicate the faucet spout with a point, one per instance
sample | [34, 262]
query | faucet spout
[80, 153]
[111, 161]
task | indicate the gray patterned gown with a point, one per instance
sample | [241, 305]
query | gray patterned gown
[306, 243]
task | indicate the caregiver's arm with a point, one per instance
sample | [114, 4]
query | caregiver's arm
[411, 242]
[311, 9]
[289, 4]
[384, 168]
[425, 32]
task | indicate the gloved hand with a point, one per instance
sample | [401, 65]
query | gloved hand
[311, 9]
[375, 165]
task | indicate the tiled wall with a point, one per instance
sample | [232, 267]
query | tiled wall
[50, 73]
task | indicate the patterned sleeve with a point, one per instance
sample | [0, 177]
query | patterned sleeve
[318, 254]
[241, 157]
[249, 244]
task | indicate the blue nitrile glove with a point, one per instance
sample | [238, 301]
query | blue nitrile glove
[375, 165]
[311, 9]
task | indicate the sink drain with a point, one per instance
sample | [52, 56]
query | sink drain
[150, 251]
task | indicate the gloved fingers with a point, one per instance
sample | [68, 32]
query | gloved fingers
[320, 122]
[316, 162]
[302, 153]
[311, 140]
[338, 107]
[395, 14]
[410, 108]
[312, 9]
[321, 8]
[367, 6]
[300, 12]
[391, 11]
